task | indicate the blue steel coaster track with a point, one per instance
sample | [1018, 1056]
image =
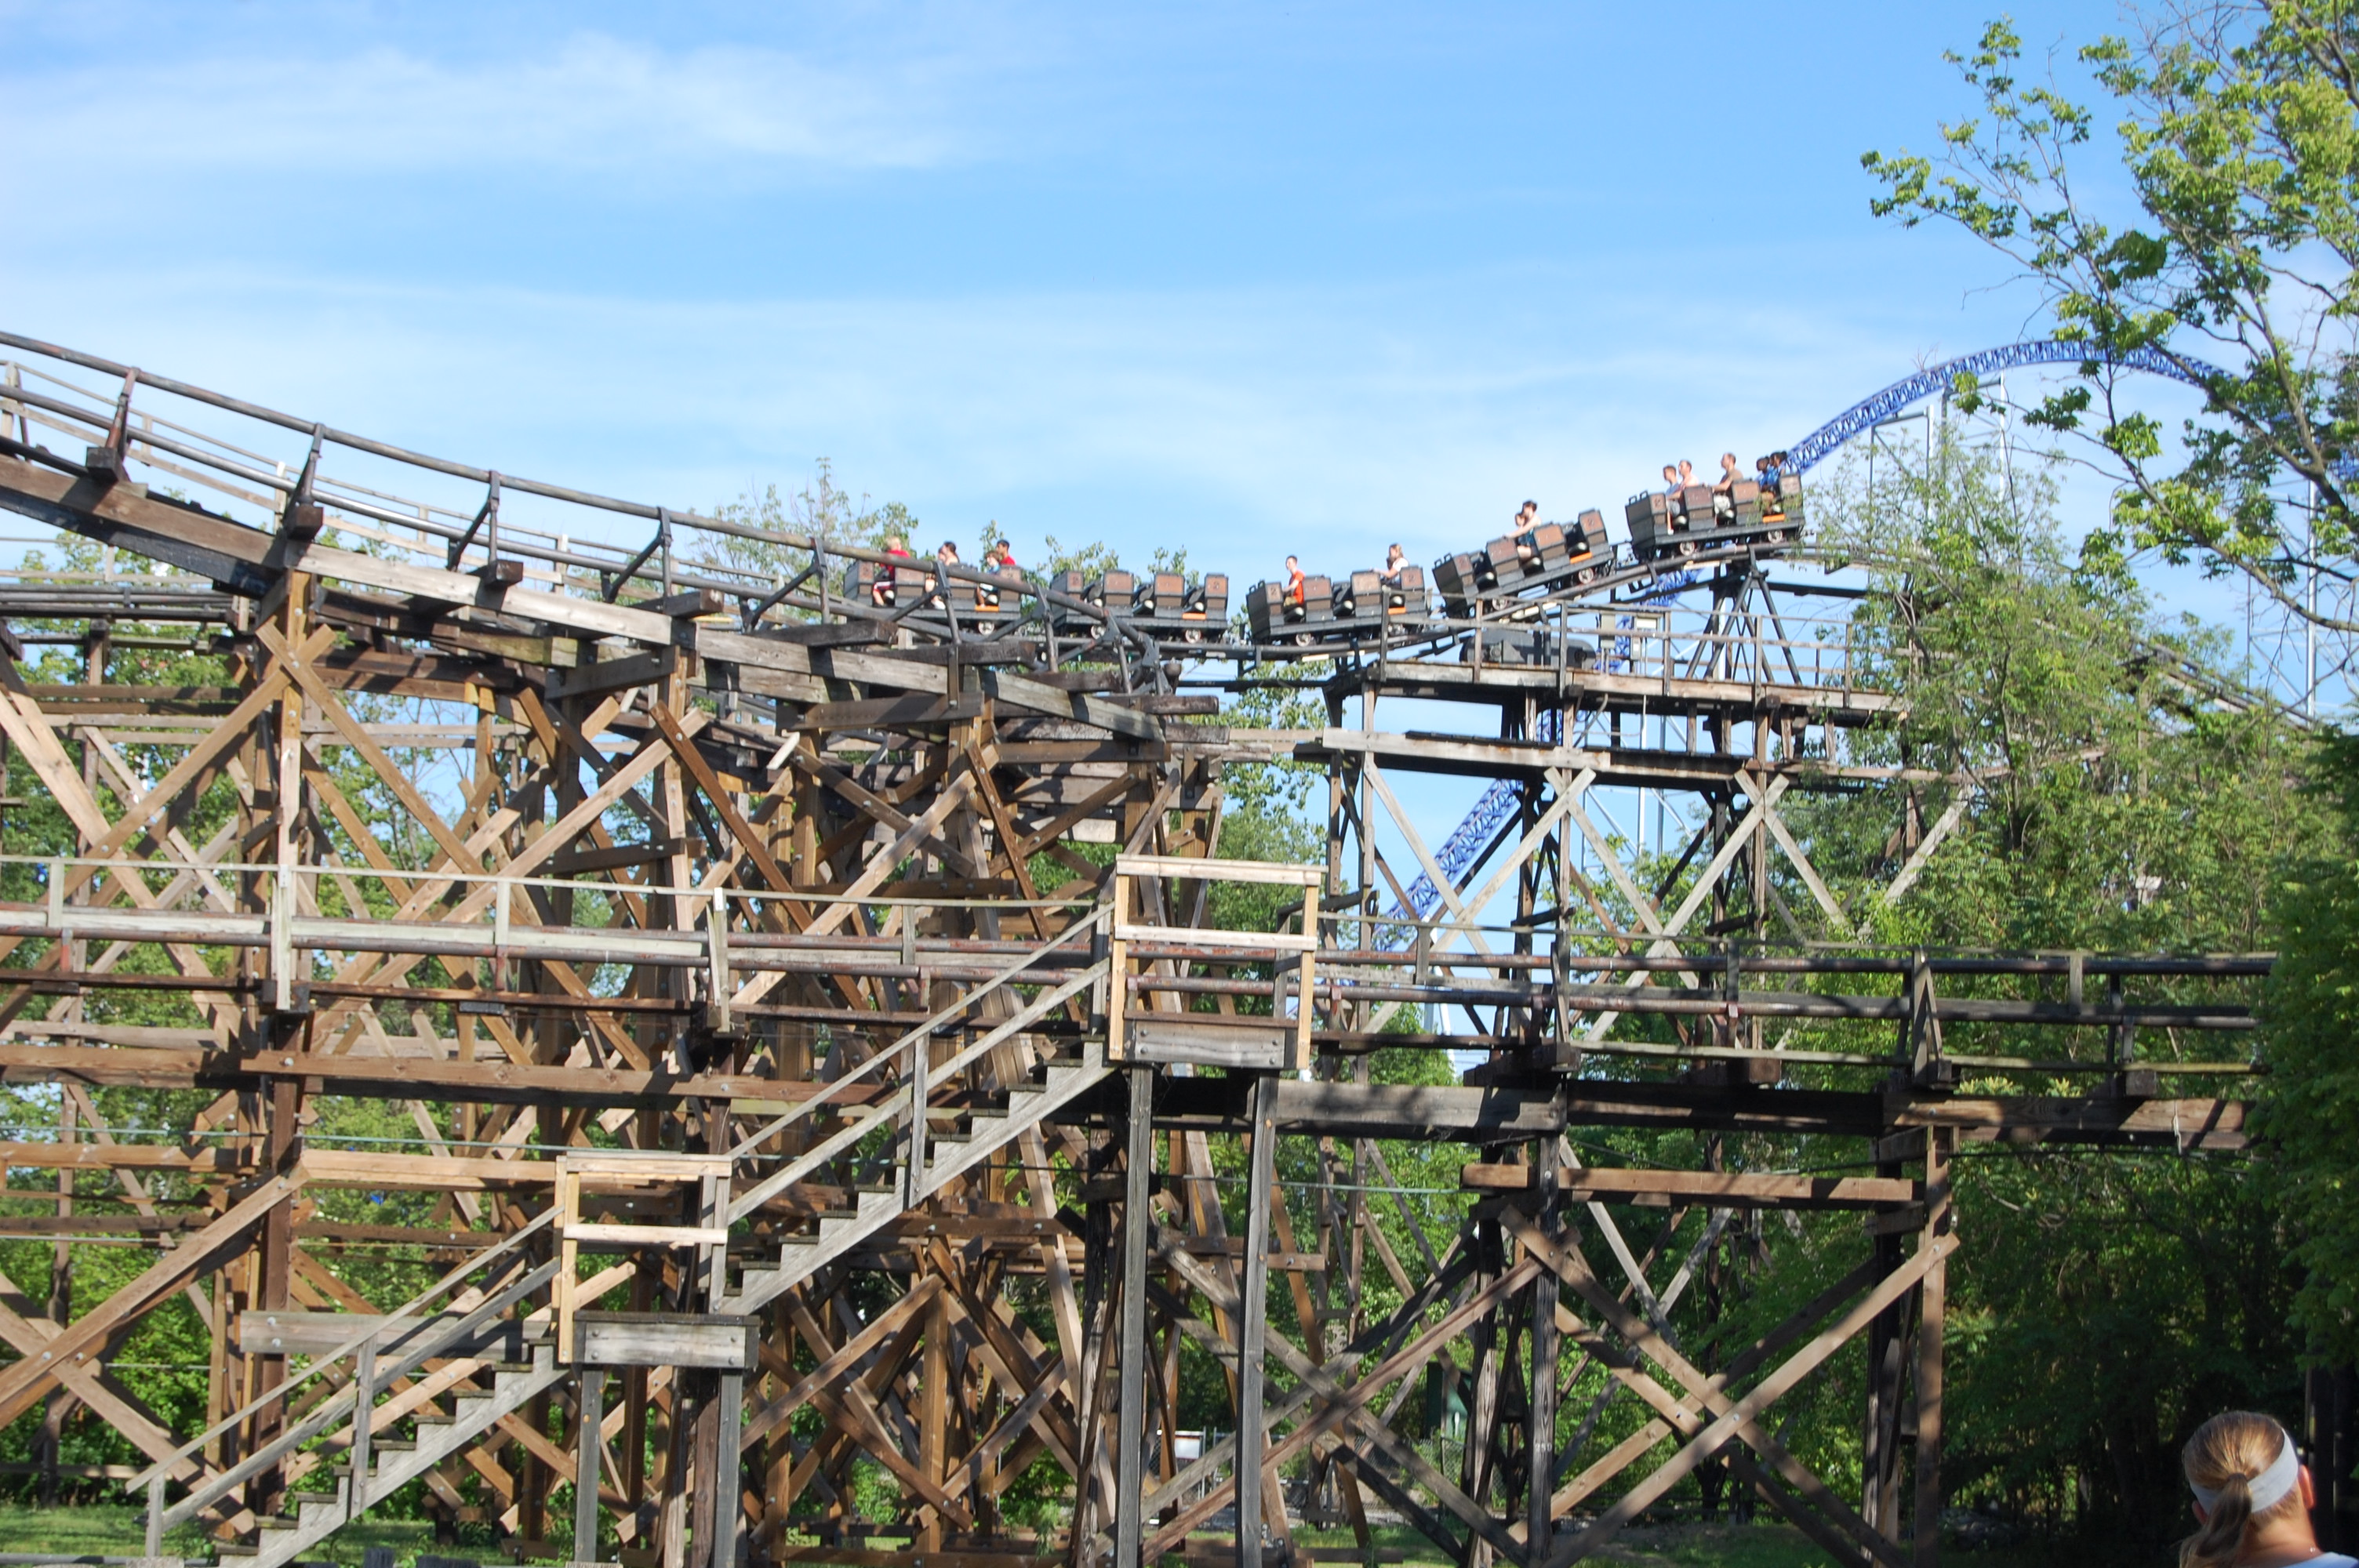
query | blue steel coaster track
[1472, 837]
[1870, 412]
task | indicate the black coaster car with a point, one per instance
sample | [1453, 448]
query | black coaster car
[1781, 509]
[1273, 616]
[1360, 608]
[1542, 560]
[1698, 518]
[1166, 608]
[1095, 592]
[904, 583]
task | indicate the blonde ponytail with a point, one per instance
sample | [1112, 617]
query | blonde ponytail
[2221, 1459]
[2221, 1536]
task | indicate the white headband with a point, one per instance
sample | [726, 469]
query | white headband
[2271, 1485]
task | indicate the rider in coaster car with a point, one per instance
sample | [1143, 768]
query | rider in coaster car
[1294, 606]
[881, 590]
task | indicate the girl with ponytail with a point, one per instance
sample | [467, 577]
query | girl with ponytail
[2253, 1498]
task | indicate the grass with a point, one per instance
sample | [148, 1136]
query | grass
[115, 1529]
[119, 1530]
[1764, 1545]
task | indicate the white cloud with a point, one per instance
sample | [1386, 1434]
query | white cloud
[590, 105]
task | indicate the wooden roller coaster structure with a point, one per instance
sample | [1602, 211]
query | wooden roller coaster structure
[826, 1063]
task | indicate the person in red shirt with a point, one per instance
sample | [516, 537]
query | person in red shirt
[998, 560]
[881, 591]
[1294, 582]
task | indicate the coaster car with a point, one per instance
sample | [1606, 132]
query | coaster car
[1537, 562]
[920, 582]
[903, 583]
[1697, 517]
[1166, 608]
[1116, 585]
[1360, 608]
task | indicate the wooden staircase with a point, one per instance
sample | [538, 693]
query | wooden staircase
[388, 1463]
[980, 1131]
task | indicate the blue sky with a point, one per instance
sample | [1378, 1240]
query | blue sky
[1248, 279]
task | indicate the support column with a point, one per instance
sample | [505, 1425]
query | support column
[1539, 1438]
[593, 1403]
[933, 1409]
[283, 1107]
[1253, 1320]
[1486, 1353]
[680, 1448]
[58, 1404]
[1130, 1400]
[1939, 1142]
[728, 1470]
[1888, 1343]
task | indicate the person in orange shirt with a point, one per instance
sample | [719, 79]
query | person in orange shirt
[1294, 584]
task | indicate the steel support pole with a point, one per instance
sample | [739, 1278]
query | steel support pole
[1130, 1402]
[1252, 1319]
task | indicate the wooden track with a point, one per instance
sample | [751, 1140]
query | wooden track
[748, 970]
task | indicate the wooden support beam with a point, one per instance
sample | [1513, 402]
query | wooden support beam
[23, 1380]
[1714, 1189]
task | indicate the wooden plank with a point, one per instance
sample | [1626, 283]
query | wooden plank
[1150, 1037]
[857, 1557]
[646, 1339]
[650, 1235]
[1712, 1188]
[1275, 871]
[1017, 691]
[637, 1165]
[1207, 936]
[617, 675]
[1565, 1258]
[914, 710]
[437, 586]
[417, 1076]
[291, 1331]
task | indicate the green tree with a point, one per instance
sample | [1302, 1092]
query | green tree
[820, 510]
[2238, 129]
[2312, 1116]
[2104, 1304]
